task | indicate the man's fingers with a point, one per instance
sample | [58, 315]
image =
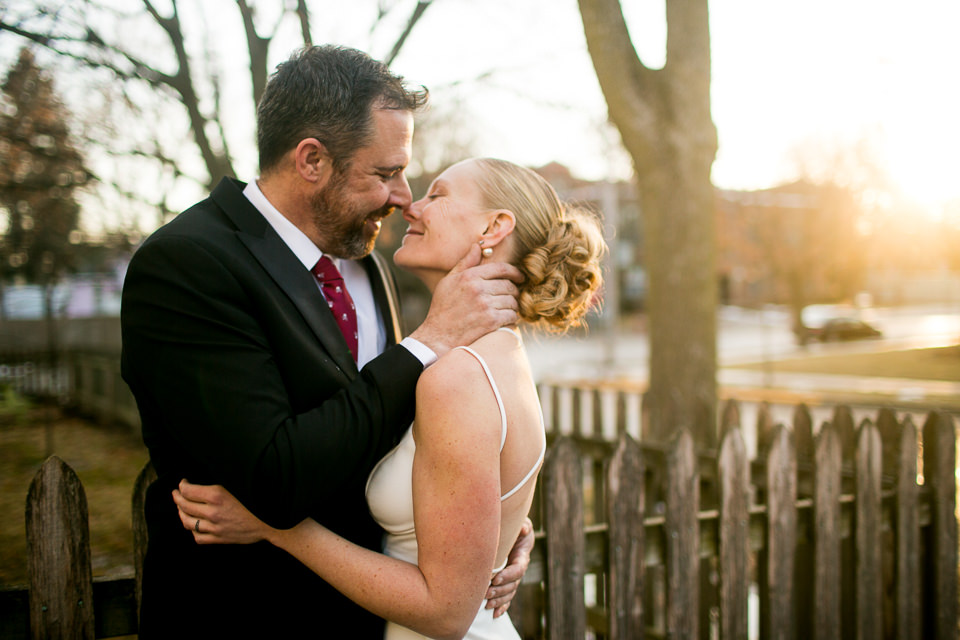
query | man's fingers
[499, 287]
[498, 271]
[471, 259]
[502, 591]
[507, 578]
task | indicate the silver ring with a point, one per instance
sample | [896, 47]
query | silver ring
[196, 527]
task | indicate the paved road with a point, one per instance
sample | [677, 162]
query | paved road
[764, 336]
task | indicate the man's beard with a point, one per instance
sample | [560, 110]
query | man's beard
[342, 229]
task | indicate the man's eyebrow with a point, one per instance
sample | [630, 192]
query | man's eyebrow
[391, 170]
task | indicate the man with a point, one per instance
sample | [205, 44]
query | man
[242, 375]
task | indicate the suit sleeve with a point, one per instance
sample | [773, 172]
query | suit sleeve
[214, 401]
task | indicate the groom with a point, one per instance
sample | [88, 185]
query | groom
[242, 375]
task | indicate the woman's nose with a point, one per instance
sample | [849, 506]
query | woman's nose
[413, 211]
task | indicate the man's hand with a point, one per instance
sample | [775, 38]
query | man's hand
[470, 302]
[505, 584]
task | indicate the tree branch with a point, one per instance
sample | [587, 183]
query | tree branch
[418, 12]
[304, 15]
[140, 70]
[257, 50]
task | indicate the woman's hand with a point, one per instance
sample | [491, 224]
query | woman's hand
[214, 516]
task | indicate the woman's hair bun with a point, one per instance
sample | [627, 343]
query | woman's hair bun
[564, 274]
[557, 247]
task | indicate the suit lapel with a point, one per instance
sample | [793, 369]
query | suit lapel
[385, 295]
[286, 271]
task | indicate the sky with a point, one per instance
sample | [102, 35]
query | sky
[790, 79]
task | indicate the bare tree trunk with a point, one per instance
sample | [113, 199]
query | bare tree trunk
[664, 120]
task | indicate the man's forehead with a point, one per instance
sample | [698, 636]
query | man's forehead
[393, 124]
[390, 147]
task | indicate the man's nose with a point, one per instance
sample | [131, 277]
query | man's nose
[400, 195]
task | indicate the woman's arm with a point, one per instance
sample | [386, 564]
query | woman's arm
[456, 497]
[456, 484]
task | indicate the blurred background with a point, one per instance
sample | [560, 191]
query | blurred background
[828, 232]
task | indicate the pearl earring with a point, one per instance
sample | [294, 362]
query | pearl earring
[487, 252]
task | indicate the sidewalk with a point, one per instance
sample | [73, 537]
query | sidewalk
[832, 389]
[625, 359]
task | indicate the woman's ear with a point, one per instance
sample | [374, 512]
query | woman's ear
[500, 226]
[314, 163]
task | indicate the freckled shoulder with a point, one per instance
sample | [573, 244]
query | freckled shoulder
[455, 390]
[453, 375]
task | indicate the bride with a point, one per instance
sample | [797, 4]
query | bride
[454, 494]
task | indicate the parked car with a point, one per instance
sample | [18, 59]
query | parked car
[843, 329]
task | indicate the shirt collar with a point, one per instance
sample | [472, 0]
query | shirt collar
[297, 240]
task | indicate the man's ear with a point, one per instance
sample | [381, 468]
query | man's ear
[314, 163]
[500, 225]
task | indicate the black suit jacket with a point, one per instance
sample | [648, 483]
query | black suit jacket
[242, 378]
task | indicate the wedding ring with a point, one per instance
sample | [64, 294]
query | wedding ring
[196, 527]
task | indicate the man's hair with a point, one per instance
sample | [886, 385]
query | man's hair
[328, 93]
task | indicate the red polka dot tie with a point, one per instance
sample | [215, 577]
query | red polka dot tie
[339, 301]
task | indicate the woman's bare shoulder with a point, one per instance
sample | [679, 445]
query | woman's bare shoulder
[459, 369]
[455, 392]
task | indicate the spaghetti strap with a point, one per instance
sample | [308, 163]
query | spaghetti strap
[503, 419]
[496, 393]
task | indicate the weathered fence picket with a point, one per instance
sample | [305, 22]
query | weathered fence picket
[625, 502]
[868, 530]
[641, 540]
[58, 554]
[146, 476]
[939, 473]
[826, 539]
[779, 621]
[734, 479]
[682, 535]
[907, 531]
[563, 483]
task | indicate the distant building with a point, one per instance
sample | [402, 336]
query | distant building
[619, 204]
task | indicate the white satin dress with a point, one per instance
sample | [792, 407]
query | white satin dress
[390, 498]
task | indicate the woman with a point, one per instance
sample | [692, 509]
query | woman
[455, 492]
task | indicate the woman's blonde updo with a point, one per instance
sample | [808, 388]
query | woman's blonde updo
[557, 247]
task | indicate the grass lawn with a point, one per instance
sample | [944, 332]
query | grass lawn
[107, 461]
[942, 363]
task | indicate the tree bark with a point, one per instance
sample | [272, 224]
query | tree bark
[663, 116]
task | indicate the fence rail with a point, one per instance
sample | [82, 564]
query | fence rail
[833, 536]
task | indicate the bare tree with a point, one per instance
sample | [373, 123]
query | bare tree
[663, 116]
[159, 63]
[41, 172]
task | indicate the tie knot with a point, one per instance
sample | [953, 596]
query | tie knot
[325, 271]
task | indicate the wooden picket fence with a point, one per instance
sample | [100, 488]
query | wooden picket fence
[832, 535]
